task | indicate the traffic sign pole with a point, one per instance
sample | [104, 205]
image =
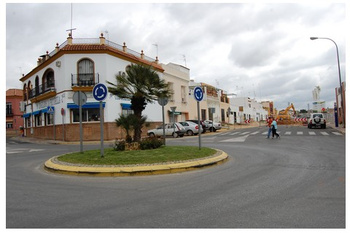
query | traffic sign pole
[198, 95]
[163, 102]
[80, 122]
[199, 127]
[100, 93]
[101, 125]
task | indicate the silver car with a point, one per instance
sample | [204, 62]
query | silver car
[191, 128]
[171, 129]
[212, 126]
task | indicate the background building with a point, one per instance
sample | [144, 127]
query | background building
[14, 118]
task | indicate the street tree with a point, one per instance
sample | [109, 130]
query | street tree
[141, 85]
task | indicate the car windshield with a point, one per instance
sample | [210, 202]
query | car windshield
[317, 115]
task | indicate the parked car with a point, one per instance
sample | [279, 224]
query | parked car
[171, 129]
[191, 128]
[202, 123]
[316, 119]
[212, 126]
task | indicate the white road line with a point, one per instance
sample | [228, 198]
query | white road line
[324, 133]
[264, 133]
[244, 133]
[237, 139]
[336, 133]
[256, 132]
[234, 133]
[288, 133]
[300, 133]
[312, 133]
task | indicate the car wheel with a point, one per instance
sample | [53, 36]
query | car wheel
[175, 135]
[189, 132]
[211, 129]
[151, 135]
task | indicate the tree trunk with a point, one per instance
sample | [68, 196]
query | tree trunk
[138, 105]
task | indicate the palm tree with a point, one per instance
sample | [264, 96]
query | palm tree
[141, 85]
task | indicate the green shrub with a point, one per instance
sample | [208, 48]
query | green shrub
[119, 145]
[150, 143]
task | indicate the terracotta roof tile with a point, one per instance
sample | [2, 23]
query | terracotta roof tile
[14, 92]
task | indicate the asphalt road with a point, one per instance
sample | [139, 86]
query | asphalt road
[295, 182]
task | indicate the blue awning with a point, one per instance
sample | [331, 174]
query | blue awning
[126, 106]
[87, 105]
[37, 112]
[26, 115]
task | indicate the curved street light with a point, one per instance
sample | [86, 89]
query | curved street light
[341, 89]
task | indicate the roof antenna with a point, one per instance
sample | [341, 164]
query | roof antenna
[71, 21]
[184, 57]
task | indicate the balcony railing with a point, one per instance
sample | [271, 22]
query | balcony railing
[41, 89]
[86, 79]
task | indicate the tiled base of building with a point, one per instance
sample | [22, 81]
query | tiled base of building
[91, 132]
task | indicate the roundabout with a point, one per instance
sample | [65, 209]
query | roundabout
[54, 165]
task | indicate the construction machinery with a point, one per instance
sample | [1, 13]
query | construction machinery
[285, 117]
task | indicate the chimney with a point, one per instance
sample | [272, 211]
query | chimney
[39, 61]
[102, 39]
[70, 39]
[142, 55]
[125, 49]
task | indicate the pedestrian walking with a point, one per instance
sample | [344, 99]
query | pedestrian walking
[274, 129]
[269, 121]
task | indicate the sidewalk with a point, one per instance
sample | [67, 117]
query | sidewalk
[340, 128]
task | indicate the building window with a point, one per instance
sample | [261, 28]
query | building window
[183, 94]
[88, 115]
[9, 109]
[28, 122]
[48, 81]
[48, 119]
[126, 109]
[86, 72]
[38, 120]
[9, 125]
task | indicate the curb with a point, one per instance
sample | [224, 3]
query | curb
[141, 170]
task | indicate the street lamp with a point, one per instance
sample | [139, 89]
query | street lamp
[341, 89]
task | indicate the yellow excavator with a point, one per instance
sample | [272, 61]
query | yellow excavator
[284, 117]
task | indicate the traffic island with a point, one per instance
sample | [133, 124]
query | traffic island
[54, 165]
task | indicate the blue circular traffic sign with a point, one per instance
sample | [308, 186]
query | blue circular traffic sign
[198, 93]
[100, 92]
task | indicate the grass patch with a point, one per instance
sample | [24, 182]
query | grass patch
[161, 155]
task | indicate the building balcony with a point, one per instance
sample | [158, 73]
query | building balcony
[84, 82]
[42, 92]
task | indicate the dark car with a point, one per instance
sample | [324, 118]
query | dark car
[202, 123]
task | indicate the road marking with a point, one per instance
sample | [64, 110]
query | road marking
[265, 133]
[336, 133]
[234, 133]
[312, 133]
[237, 139]
[300, 133]
[244, 133]
[224, 134]
[21, 150]
[324, 133]
[256, 132]
[288, 133]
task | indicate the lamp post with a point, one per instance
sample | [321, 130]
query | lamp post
[341, 89]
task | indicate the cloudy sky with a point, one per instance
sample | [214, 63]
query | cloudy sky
[262, 51]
